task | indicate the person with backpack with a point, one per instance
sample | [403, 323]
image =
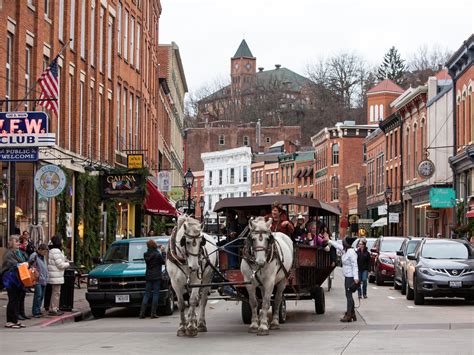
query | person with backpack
[38, 259]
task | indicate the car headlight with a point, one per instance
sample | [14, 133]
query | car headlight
[426, 271]
[93, 282]
[386, 261]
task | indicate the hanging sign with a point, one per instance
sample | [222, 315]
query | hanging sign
[25, 129]
[124, 186]
[393, 217]
[135, 161]
[50, 181]
[19, 154]
[164, 180]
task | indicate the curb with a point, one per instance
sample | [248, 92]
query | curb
[68, 317]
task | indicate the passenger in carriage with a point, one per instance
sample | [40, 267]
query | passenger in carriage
[235, 227]
[326, 235]
[300, 230]
[280, 222]
[315, 239]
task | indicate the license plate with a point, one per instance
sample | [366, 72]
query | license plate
[455, 284]
[122, 298]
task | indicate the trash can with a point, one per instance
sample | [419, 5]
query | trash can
[66, 301]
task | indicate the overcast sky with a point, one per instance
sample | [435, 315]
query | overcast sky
[296, 33]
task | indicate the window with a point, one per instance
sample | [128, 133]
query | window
[209, 202]
[118, 95]
[110, 26]
[100, 112]
[364, 153]
[125, 36]
[370, 178]
[101, 39]
[28, 53]
[221, 139]
[83, 29]
[81, 114]
[232, 177]
[415, 149]
[220, 177]
[132, 39]
[371, 113]
[381, 112]
[246, 140]
[334, 188]
[335, 154]
[271, 180]
[47, 8]
[376, 112]
[137, 108]
[130, 124]
[119, 28]
[408, 154]
[124, 121]
[276, 179]
[61, 20]
[244, 174]
[210, 180]
[395, 144]
[91, 120]
[92, 40]
[137, 57]
[268, 140]
[69, 112]
[72, 23]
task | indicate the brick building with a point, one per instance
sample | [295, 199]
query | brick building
[211, 139]
[110, 100]
[461, 69]
[338, 163]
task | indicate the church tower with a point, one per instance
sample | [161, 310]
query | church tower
[243, 69]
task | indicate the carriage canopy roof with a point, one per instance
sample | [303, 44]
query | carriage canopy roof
[316, 207]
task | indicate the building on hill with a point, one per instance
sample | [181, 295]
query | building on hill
[277, 96]
[211, 139]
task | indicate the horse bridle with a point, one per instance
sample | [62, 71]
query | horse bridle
[268, 249]
[194, 239]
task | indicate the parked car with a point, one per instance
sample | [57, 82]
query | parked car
[119, 279]
[370, 242]
[408, 248]
[440, 268]
[383, 254]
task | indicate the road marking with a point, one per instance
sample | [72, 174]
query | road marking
[411, 307]
[374, 288]
[392, 298]
[213, 301]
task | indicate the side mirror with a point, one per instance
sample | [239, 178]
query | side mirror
[411, 257]
[97, 260]
[399, 252]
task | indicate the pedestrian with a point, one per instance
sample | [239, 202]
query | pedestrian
[363, 262]
[154, 262]
[38, 259]
[23, 257]
[12, 282]
[30, 247]
[351, 274]
[57, 263]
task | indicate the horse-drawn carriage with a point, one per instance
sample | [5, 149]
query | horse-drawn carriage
[311, 265]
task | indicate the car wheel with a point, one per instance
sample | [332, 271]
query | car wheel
[418, 296]
[409, 292]
[404, 286]
[371, 279]
[469, 299]
[378, 279]
[98, 312]
[395, 285]
[168, 308]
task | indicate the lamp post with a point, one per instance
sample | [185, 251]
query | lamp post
[188, 184]
[388, 197]
[207, 220]
[201, 207]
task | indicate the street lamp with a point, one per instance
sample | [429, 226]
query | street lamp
[188, 184]
[201, 207]
[207, 215]
[388, 198]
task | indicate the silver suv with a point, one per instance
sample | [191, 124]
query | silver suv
[440, 268]
[408, 248]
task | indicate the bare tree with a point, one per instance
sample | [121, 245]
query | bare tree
[425, 62]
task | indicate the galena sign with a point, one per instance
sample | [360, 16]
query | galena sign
[25, 129]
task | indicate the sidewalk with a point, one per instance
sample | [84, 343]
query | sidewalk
[81, 310]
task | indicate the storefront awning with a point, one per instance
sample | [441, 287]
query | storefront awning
[470, 214]
[380, 222]
[298, 172]
[156, 202]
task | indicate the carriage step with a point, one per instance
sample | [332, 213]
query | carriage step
[241, 283]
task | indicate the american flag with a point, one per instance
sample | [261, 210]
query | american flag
[49, 83]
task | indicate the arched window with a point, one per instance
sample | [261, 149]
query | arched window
[334, 188]
[408, 145]
[415, 149]
[381, 112]
[376, 112]
[371, 113]
[335, 154]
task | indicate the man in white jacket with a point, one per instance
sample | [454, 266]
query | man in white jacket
[57, 263]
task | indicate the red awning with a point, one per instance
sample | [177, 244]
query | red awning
[156, 202]
[470, 214]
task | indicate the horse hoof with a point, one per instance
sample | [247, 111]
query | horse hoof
[202, 328]
[263, 331]
[253, 329]
[192, 332]
[274, 326]
[181, 333]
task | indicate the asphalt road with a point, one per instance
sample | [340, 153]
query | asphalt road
[388, 324]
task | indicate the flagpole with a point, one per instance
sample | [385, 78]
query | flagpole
[37, 81]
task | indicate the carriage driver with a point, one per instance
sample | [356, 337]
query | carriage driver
[280, 222]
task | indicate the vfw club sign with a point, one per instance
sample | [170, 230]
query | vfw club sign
[25, 129]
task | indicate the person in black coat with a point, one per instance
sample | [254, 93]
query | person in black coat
[363, 262]
[154, 261]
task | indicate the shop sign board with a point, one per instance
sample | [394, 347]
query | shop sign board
[20, 154]
[164, 181]
[122, 186]
[135, 161]
[393, 218]
[442, 197]
[50, 180]
[382, 210]
[25, 129]
[432, 214]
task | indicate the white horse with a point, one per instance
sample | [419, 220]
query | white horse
[189, 254]
[268, 262]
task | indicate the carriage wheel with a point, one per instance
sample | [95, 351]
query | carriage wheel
[246, 312]
[282, 311]
[319, 300]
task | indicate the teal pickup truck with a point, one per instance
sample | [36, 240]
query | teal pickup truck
[119, 279]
